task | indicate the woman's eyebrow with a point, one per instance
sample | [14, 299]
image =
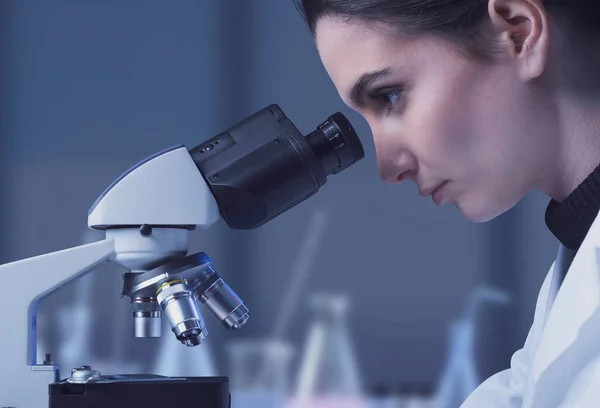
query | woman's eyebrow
[363, 82]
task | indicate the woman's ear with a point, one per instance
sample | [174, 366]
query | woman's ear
[524, 26]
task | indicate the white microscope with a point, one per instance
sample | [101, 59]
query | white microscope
[247, 175]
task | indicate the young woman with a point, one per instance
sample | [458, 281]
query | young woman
[479, 102]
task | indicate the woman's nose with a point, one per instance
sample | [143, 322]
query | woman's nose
[394, 161]
[395, 167]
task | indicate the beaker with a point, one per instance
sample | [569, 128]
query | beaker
[329, 375]
[259, 373]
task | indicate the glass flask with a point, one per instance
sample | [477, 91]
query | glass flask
[259, 373]
[329, 375]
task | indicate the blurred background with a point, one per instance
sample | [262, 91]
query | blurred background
[89, 88]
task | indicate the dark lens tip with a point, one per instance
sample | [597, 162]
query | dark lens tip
[352, 140]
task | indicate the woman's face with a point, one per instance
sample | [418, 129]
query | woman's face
[437, 118]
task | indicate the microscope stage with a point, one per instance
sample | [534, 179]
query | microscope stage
[148, 391]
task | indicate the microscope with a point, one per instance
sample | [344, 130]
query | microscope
[247, 175]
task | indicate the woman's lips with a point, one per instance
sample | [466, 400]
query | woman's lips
[438, 194]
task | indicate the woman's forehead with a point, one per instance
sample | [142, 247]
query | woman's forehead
[350, 49]
[343, 40]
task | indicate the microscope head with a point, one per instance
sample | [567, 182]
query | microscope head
[247, 175]
[164, 190]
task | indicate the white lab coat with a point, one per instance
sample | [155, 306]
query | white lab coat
[559, 365]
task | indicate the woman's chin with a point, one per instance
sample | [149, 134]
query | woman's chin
[481, 212]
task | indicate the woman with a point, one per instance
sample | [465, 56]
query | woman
[479, 102]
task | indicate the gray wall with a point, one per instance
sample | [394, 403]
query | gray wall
[97, 86]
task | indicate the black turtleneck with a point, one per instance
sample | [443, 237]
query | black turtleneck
[571, 219]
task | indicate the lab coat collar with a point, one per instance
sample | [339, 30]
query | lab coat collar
[568, 310]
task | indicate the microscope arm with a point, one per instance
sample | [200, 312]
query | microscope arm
[28, 282]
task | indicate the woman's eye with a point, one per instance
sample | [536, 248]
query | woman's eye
[391, 99]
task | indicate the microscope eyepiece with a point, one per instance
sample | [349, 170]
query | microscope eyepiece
[263, 166]
[336, 144]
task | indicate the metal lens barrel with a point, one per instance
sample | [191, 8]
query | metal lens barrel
[183, 312]
[226, 305]
[147, 322]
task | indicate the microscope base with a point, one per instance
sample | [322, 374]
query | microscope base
[148, 391]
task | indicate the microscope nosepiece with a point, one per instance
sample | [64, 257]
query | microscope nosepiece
[183, 312]
[222, 301]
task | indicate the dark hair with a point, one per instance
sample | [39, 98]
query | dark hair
[464, 22]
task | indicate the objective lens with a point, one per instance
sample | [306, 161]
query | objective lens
[221, 300]
[146, 317]
[182, 309]
[336, 144]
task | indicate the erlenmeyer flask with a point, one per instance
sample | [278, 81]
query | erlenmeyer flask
[459, 376]
[329, 374]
